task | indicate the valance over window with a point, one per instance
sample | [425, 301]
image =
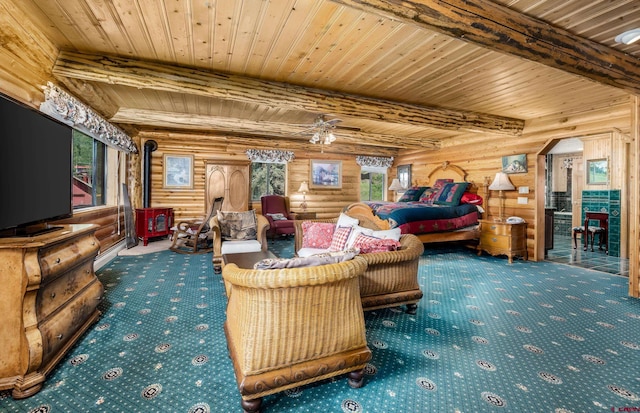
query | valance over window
[67, 109]
[270, 156]
[375, 161]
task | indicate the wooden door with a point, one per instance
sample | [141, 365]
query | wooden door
[577, 184]
[229, 179]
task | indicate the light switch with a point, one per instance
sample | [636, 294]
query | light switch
[523, 200]
[523, 190]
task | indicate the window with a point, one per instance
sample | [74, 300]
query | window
[89, 171]
[267, 179]
[372, 183]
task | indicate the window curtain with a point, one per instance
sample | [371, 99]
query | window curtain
[374, 161]
[269, 156]
[67, 109]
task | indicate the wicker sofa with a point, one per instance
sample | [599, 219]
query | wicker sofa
[290, 327]
[391, 278]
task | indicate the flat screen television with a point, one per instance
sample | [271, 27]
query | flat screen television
[35, 170]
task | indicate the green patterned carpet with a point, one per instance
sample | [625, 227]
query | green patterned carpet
[488, 337]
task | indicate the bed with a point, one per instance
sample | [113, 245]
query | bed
[441, 223]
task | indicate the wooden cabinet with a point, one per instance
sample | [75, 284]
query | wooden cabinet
[153, 222]
[49, 298]
[501, 238]
[229, 179]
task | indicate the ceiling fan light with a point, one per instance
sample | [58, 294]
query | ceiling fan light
[629, 36]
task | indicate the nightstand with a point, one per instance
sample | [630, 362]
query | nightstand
[500, 238]
[304, 215]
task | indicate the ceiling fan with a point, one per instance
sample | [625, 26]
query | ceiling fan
[321, 131]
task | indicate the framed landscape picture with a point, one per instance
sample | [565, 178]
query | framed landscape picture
[178, 171]
[597, 171]
[325, 174]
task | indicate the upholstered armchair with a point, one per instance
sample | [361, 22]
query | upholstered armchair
[223, 243]
[290, 327]
[276, 209]
[391, 278]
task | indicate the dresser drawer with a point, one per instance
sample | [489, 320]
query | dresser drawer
[496, 228]
[56, 293]
[63, 256]
[495, 241]
[61, 327]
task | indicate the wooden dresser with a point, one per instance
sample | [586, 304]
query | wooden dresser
[49, 296]
[501, 238]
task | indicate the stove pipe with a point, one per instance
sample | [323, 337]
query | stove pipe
[149, 146]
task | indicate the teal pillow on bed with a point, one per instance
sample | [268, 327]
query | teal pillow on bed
[450, 194]
[412, 194]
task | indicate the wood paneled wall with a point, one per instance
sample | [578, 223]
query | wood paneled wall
[190, 203]
[481, 156]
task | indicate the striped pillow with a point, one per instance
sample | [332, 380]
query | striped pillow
[340, 237]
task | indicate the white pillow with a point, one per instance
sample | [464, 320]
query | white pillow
[346, 221]
[393, 234]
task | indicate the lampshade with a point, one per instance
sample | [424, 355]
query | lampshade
[501, 183]
[396, 185]
[304, 187]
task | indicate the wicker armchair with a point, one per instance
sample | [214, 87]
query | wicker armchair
[391, 278]
[221, 247]
[289, 327]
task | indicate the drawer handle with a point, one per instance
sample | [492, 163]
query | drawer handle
[100, 297]
[494, 239]
[53, 295]
[58, 260]
[493, 227]
[59, 336]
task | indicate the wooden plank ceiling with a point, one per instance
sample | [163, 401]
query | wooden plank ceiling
[399, 74]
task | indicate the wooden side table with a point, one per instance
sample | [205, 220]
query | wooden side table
[501, 238]
[304, 215]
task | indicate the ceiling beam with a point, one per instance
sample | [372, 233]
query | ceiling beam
[501, 29]
[187, 121]
[158, 76]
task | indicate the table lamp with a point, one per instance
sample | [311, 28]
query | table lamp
[396, 186]
[304, 188]
[501, 183]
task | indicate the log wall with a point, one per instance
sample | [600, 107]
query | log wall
[190, 203]
[481, 156]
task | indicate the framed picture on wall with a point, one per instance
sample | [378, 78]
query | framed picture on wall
[325, 174]
[597, 171]
[514, 164]
[178, 171]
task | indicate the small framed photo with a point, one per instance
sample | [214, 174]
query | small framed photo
[325, 174]
[597, 171]
[178, 171]
[514, 164]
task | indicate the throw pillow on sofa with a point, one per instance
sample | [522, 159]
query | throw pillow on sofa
[317, 234]
[340, 238]
[368, 244]
[236, 226]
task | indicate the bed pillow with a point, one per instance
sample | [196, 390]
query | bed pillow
[412, 194]
[440, 182]
[450, 194]
[237, 226]
[317, 234]
[469, 198]
[345, 220]
[428, 195]
[368, 244]
[340, 238]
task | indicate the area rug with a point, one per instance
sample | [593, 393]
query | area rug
[487, 337]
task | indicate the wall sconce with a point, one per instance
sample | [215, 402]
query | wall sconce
[304, 188]
[501, 183]
[396, 186]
